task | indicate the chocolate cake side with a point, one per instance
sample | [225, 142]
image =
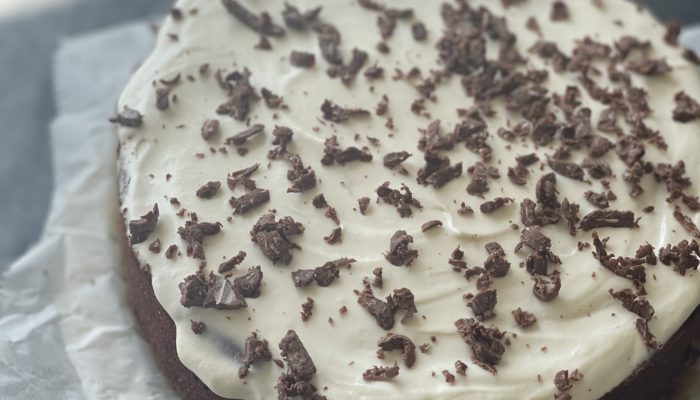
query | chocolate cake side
[159, 330]
[653, 380]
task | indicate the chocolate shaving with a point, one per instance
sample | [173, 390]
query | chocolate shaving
[560, 11]
[295, 19]
[140, 229]
[329, 42]
[683, 256]
[391, 160]
[171, 252]
[486, 343]
[293, 352]
[154, 247]
[547, 287]
[242, 177]
[232, 262]
[347, 73]
[629, 268]
[335, 113]
[332, 153]
[562, 381]
[334, 237]
[262, 24]
[302, 59]
[419, 32]
[241, 94]
[213, 292]
[597, 169]
[649, 67]
[194, 233]
[437, 171]
[636, 304]
[401, 199]
[648, 339]
[608, 219]
[381, 373]
[273, 237]
[401, 343]
[208, 190]
[599, 200]
[381, 311]
[307, 309]
[566, 168]
[493, 205]
[430, 224]
[255, 350]
[523, 318]
[128, 117]
[240, 138]
[399, 254]
[198, 327]
[483, 303]
[363, 203]
[687, 109]
[249, 201]
[210, 128]
[272, 100]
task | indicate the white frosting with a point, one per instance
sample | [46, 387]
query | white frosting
[583, 328]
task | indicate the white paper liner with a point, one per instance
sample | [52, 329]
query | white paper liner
[66, 330]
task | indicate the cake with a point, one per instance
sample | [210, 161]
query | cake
[413, 200]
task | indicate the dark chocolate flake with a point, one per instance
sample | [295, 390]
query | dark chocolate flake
[294, 353]
[128, 118]
[208, 190]
[430, 225]
[334, 237]
[242, 137]
[399, 254]
[198, 327]
[523, 318]
[636, 304]
[649, 66]
[562, 381]
[566, 168]
[485, 342]
[683, 256]
[391, 160]
[560, 11]
[210, 128]
[249, 201]
[273, 237]
[687, 109]
[363, 203]
[546, 287]
[302, 59]
[401, 343]
[483, 303]
[232, 262]
[495, 204]
[141, 228]
[419, 32]
[260, 23]
[335, 113]
[255, 350]
[295, 19]
[599, 200]
[608, 219]
[381, 311]
[381, 373]
[648, 339]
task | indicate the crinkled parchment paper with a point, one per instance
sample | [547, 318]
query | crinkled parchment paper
[66, 331]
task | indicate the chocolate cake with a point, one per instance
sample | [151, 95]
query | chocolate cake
[366, 199]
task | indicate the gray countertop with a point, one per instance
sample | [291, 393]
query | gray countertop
[27, 44]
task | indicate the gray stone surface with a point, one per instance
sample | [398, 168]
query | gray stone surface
[27, 44]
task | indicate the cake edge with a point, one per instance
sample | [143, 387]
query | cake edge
[653, 379]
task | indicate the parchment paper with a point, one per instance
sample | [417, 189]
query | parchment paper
[66, 331]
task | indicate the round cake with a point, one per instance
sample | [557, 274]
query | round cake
[413, 200]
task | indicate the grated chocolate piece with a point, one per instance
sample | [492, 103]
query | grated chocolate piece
[262, 23]
[648, 339]
[495, 204]
[402, 199]
[599, 200]
[419, 32]
[683, 256]
[523, 318]
[483, 303]
[208, 190]
[249, 201]
[649, 66]
[242, 177]
[608, 219]
[399, 254]
[307, 309]
[547, 287]
[402, 299]
[128, 118]
[198, 327]
[248, 285]
[636, 304]
[171, 252]
[560, 11]
[154, 247]
[293, 352]
[687, 109]
[329, 42]
[430, 224]
[402, 343]
[461, 368]
[319, 201]
[486, 343]
[240, 138]
[210, 292]
[334, 237]
[272, 100]
[302, 59]
[273, 237]
[570, 213]
[210, 128]
[241, 94]
[381, 311]
[437, 170]
[232, 262]
[381, 373]
[566, 168]
[597, 169]
[391, 160]
[255, 350]
[363, 203]
[295, 19]
[335, 113]
[562, 381]
[140, 229]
